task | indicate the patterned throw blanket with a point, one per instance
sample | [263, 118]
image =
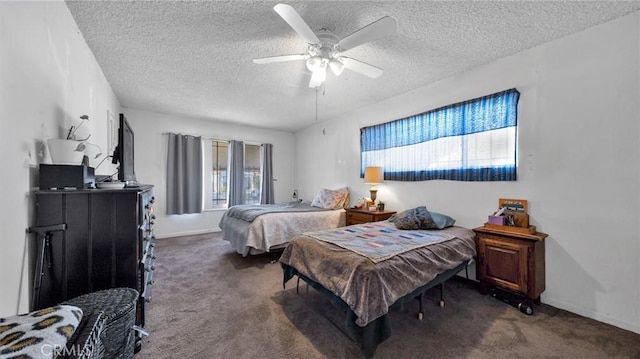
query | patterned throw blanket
[379, 242]
[249, 212]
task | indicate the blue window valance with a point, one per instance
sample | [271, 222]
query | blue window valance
[474, 140]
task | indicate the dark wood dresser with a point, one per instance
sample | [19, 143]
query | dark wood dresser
[108, 243]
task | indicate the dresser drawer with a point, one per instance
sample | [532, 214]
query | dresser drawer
[356, 217]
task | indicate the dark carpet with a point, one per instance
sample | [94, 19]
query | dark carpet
[209, 302]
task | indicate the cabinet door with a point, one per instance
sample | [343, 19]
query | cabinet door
[65, 273]
[504, 263]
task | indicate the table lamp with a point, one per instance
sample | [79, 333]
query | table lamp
[373, 175]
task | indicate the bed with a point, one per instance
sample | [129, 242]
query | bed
[256, 229]
[366, 287]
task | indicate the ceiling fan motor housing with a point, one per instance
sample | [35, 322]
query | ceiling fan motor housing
[324, 52]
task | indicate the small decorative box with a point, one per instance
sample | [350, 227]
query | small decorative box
[499, 220]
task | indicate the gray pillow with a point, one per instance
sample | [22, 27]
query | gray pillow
[415, 218]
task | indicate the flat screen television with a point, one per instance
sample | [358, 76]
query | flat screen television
[123, 153]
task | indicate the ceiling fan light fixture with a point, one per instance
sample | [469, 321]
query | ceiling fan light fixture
[322, 73]
[318, 77]
[336, 67]
[314, 63]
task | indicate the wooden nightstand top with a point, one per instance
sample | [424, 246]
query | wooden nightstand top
[538, 236]
[358, 210]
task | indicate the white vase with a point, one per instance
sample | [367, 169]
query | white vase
[63, 152]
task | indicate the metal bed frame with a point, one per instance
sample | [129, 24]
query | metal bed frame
[378, 330]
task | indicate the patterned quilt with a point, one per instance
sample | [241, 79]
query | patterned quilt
[379, 242]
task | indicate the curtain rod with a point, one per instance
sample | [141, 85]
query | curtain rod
[211, 138]
[188, 134]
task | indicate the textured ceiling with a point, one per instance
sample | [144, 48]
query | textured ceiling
[194, 58]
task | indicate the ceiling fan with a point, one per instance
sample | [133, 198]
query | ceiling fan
[325, 49]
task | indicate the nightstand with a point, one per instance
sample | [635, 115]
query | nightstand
[511, 261]
[359, 216]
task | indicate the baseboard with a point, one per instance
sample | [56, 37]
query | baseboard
[633, 327]
[188, 233]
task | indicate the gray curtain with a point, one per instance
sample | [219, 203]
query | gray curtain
[184, 174]
[236, 173]
[266, 194]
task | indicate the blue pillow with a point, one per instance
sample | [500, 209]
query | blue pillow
[442, 220]
[415, 218]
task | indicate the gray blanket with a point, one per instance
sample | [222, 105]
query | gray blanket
[368, 288]
[249, 212]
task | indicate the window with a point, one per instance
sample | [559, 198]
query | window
[252, 172]
[473, 140]
[216, 175]
[216, 160]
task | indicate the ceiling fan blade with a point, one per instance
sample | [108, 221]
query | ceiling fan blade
[282, 58]
[361, 67]
[377, 29]
[294, 20]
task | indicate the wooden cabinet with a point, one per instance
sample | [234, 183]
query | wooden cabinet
[359, 216]
[108, 242]
[511, 261]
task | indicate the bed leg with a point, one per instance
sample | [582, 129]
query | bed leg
[441, 294]
[420, 313]
[298, 286]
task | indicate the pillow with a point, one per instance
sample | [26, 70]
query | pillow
[442, 220]
[38, 334]
[345, 194]
[330, 199]
[415, 218]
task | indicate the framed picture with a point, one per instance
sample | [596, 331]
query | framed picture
[112, 135]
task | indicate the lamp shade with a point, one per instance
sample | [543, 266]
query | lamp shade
[373, 175]
[336, 66]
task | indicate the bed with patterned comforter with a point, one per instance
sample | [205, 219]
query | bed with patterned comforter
[367, 282]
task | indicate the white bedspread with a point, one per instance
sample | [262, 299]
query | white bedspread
[274, 230]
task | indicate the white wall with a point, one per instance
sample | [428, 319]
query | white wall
[151, 157]
[49, 79]
[579, 162]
